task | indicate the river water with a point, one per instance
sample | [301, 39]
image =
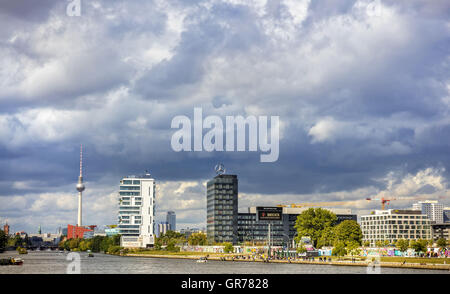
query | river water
[51, 262]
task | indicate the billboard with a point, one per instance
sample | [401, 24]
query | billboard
[269, 213]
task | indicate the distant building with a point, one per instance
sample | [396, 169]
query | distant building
[78, 232]
[46, 239]
[163, 227]
[446, 214]
[222, 209]
[441, 231]
[111, 231]
[392, 225]
[6, 229]
[171, 219]
[433, 209]
[189, 231]
[136, 221]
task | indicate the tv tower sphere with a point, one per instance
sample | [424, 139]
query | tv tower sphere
[80, 187]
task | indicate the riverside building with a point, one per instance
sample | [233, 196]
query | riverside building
[446, 214]
[433, 209]
[281, 232]
[136, 219]
[441, 231]
[222, 209]
[393, 225]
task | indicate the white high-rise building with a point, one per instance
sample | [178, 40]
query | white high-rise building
[136, 221]
[433, 209]
[394, 224]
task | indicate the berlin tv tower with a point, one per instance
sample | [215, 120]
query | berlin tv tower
[80, 186]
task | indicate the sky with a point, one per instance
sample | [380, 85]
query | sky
[361, 89]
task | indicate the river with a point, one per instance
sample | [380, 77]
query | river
[53, 262]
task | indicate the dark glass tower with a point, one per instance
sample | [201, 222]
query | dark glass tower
[222, 209]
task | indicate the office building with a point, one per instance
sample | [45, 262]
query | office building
[136, 219]
[189, 231]
[163, 227]
[283, 231]
[441, 231]
[431, 208]
[222, 209]
[393, 225]
[171, 219]
[78, 232]
[446, 214]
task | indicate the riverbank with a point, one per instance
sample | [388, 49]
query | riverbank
[365, 263]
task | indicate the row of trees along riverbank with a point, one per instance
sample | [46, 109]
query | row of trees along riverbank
[108, 244]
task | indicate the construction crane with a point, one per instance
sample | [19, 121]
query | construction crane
[385, 201]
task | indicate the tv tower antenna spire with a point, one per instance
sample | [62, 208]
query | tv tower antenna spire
[80, 187]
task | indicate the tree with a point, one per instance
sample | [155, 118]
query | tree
[197, 239]
[352, 247]
[402, 244]
[348, 231]
[96, 243]
[171, 246]
[327, 238]
[442, 243]
[419, 245]
[301, 249]
[228, 247]
[3, 240]
[115, 240]
[74, 243]
[366, 243]
[339, 249]
[379, 243]
[313, 222]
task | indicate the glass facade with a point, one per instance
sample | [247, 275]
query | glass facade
[257, 233]
[282, 232]
[222, 209]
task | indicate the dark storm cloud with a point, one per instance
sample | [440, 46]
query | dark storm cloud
[206, 36]
[29, 10]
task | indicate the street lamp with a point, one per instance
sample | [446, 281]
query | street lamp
[287, 242]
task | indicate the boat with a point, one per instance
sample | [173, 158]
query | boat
[202, 260]
[16, 261]
[21, 250]
[90, 255]
[11, 261]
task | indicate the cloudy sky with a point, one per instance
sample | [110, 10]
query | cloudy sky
[362, 90]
